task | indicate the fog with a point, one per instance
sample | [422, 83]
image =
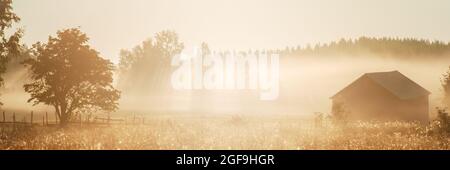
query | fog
[12, 94]
[306, 85]
[315, 80]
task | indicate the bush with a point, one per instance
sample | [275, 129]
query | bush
[340, 114]
[443, 121]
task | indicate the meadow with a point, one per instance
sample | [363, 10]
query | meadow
[228, 132]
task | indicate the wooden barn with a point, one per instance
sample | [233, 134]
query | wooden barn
[383, 96]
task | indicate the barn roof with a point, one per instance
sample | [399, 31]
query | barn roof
[397, 84]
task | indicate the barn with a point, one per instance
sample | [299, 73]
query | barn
[384, 96]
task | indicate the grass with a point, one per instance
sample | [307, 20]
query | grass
[228, 133]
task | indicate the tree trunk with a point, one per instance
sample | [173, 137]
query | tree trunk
[64, 117]
[64, 120]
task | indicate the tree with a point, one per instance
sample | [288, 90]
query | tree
[69, 75]
[152, 58]
[9, 45]
[445, 82]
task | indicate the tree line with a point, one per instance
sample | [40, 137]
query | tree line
[385, 46]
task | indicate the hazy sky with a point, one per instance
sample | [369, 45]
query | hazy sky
[233, 24]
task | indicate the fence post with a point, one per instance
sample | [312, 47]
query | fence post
[43, 120]
[4, 117]
[46, 118]
[56, 118]
[31, 118]
[88, 119]
[14, 120]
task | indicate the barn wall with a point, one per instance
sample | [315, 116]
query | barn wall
[363, 100]
[366, 100]
[414, 109]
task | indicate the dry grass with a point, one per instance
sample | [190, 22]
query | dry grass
[228, 133]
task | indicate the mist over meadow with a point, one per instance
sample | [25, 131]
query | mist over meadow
[309, 76]
[83, 74]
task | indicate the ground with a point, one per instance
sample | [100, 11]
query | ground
[227, 132]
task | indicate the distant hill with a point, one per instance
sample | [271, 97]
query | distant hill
[364, 46]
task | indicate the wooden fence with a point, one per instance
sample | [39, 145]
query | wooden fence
[80, 120]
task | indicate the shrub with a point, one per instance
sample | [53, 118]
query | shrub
[443, 121]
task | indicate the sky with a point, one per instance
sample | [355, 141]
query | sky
[113, 25]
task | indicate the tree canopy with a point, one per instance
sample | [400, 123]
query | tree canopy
[71, 76]
[146, 68]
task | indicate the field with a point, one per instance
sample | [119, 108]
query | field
[227, 132]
